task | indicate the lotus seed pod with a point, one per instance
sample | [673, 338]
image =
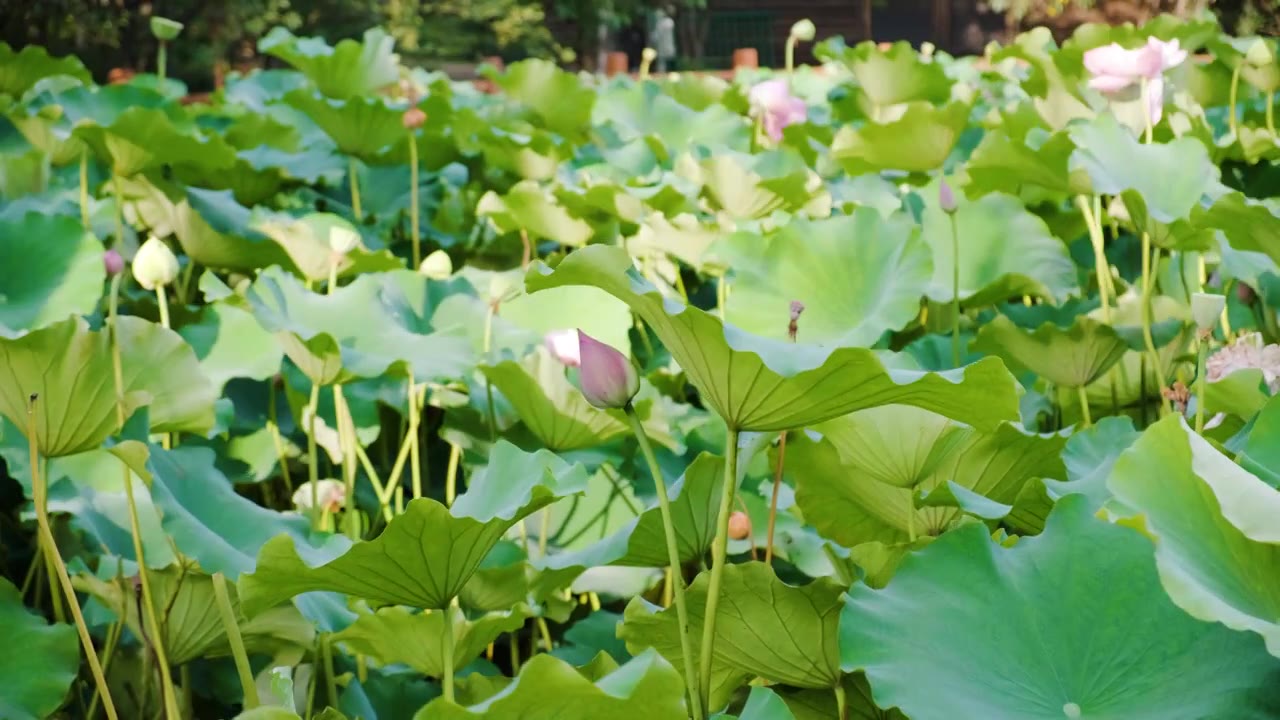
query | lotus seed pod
[165, 29]
[437, 266]
[608, 378]
[1206, 308]
[804, 30]
[155, 264]
[739, 526]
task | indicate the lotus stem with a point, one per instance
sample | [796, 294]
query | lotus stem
[119, 197]
[415, 413]
[108, 652]
[1201, 386]
[1146, 114]
[955, 291]
[354, 181]
[791, 54]
[451, 475]
[1271, 115]
[911, 517]
[488, 386]
[330, 684]
[346, 443]
[545, 632]
[447, 675]
[40, 495]
[719, 552]
[842, 702]
[313, 459]
[273, 425]
[414, 212]
[232, 628]
[1147, 318]
[514, 646]
[1233, 97]
[773, 500]
[162, 61]
[673, 559]
[1083, 394]
[526, 249]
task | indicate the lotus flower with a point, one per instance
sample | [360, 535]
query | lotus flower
[563, 346]
[1247, 352]
[773, 102]
[608, 378]
[1115, 68]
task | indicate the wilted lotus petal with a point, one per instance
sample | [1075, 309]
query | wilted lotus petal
[1247, 352]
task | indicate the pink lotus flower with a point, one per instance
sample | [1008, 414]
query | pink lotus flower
[1116, 68]
[608, 378]
[563, 346]
[773, 102]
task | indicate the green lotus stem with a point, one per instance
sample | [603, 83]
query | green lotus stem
[722, 294]
[447, 675]
[1233, 97]
[773, 499]
[911, 517]
[955, 291]
[354, 181]
[346, 442]
[162, 57]
[313, 472]
[514, 646]
[326, 655]
[451, 475]
[1083, 394]
[232, 628]
[273, 426]
[415, 468]
[84, 189]
[1145, 92]
[673, 559]
[842, 702]
[1201, 386]
[1101, 266]
[118, 192]
[719, 552]
[108, 652]
[488, 386]
[1147, 319]
[414, 212]
[393, 480]
[1271, 115]
[791, 53]
[545, 631]
[40, 495]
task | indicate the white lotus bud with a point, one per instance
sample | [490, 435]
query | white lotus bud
[804, 30]
[155, 264]
[1259, 54]
[343, 240]
[648, 55]
[437, 266]
[1206, 308]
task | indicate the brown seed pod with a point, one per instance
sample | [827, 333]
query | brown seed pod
[739, 526]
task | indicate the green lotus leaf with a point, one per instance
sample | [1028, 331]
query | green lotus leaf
[951, 495]
[1260, 454]
[1126, 320]
[332, 340]
[1246, 224]
[593, 634]
[760, 384]
[839, 493]
[349, 69]
[681, 238]
[366, 127]
[821, 704]
[527, 207]
[425, 556]
[646, 688]
[890, 77]
[68, 369]
[643, 110]
[559, 100]
[550, 406]
[765, 628]
[1041, 630]
[396, 635]
[1005, 251]
[1180, 235]
[755, 186]
[306, 240]
[1089, 456]
[52, 269]
[858, 276]
[1217, 542]
[1069, 357]
[594, 311]
[231, 344]
[1005, 163]
[641, 542]
[920, 140]
[20, 70]
[765, 704]
[1172, 177]
[191, 629]
[142, 138]
[49, 118]
[155, 360]
[38, 677]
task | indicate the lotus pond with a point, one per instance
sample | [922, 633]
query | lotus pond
[907, 386]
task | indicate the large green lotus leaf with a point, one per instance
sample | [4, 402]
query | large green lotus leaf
[69, 369]
[1172, 177]
[643, 110]
[1217, 540]
[43, 661]
[361, 330]
[594, 311]
[1071, 623]
[1005, 251]
[49, 268]
[755, 186]
[1126, 318]
[192, 627]
[306, 241]
[559, 99]
[821, 704]
[764, 628]
[683, 238]
[346, 70]
[1260, 454]
[155, 360]
[765, 704]
[21, 70]
[919, 141]
[893, 76]
[550, 406]
[642, 543]
[1247, 224]
[761, 384]
[837, 495]
[646, 688]
[48, 119]
[897, 445]
[142, 138]
[425, 556]
[1089, 456]
[231, 344]
[366, 127]
[1005, 163]
[396, 635]
[526, 206]
[858, 276]
[1069, 357]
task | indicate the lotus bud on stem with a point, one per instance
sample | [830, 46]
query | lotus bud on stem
[801, 31]
[647, 56]
[793, 327]
[947, 201]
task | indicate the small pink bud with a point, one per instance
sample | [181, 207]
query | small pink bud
[739, 526]
[946, 197]
[563, 346]
[608, 378]
[413, 118]
[114, 263]
[1246, 294]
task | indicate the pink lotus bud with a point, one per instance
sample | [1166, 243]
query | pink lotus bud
[739, 526]
[608, 378]
[797, 307]
[563, 346]
[946, 197]
[114, 263]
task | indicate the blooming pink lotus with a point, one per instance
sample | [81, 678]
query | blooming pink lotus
[1116, 68]
[608, 378]
[777, 108]
[563, 346]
